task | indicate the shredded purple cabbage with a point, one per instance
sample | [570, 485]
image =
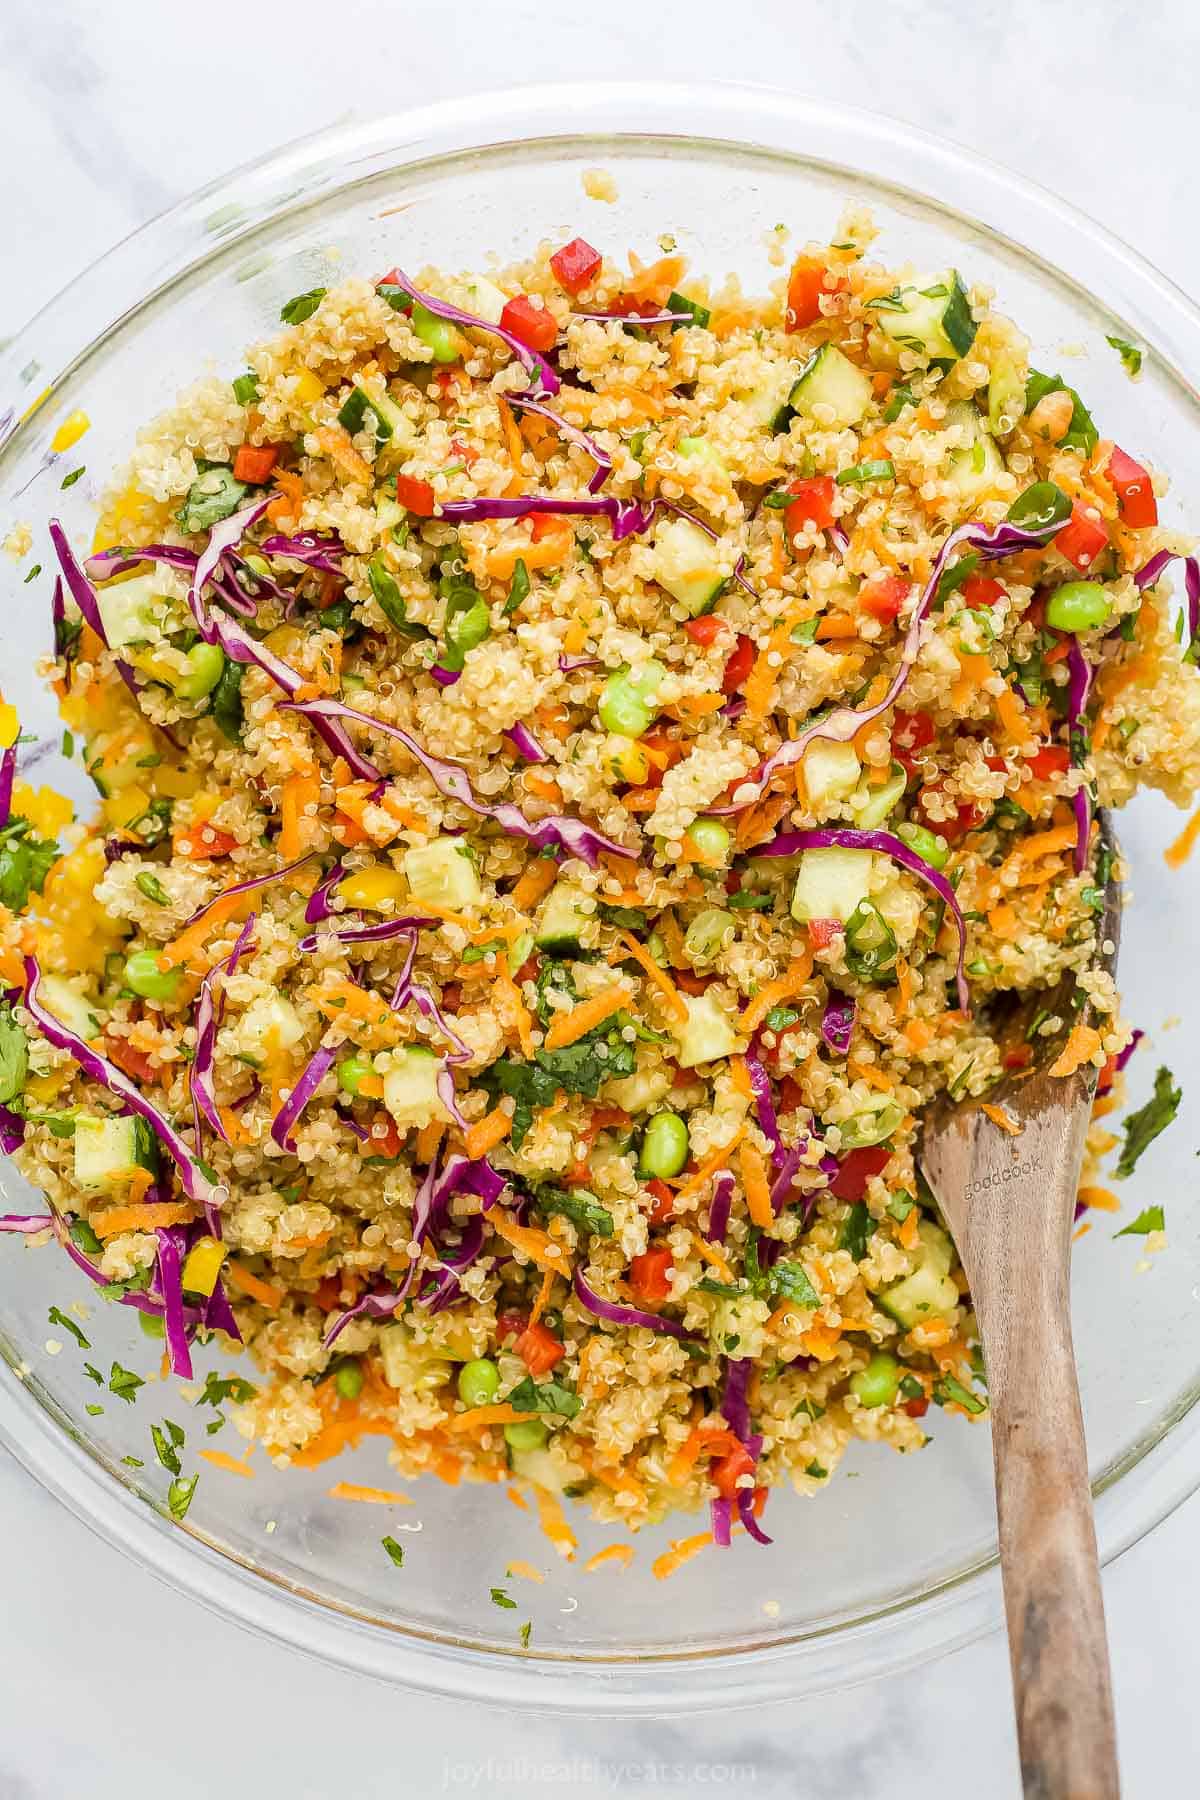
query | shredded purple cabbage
[308, 547]
[170, 1267]
[569, 665]
[745, 1506]
[29, 1223]
[573, 435]
[196, 1184]
[625, 516]
[837, 1023]
[1079, 686]
[246, 887]
[318, 907]
[227, 534]
[8, 770]
[1149, 573]
[84, 596]
[791, 843]
[306, 1086]
[201, 1073]
[371, 1306]
[537, 366]
[764, 1105]
[721, 1512]
[379, 933]
[718, 1207]
[525, 744]
[840, 725]
[624, 1315]
[575, 837]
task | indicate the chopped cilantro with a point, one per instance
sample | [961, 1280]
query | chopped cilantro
[57, 1317]
[1081, 433]
[1130, 355]
[301, 306]
[219, 1388]
[900, 1204]
[1153, 1219]
[577, 1069]
[166, 1452]
[68, 481]
[526, 1633]
[394, 1550]
[1142, 1127]
[500, 1598]
[788, 1281]
[519, 587]
[950, 1388]
[746, 900]
[33, 574]
[576, 1204]
[179, 1495]
[780, 1018]
[25, 862]
[546, 1396]
[93, 1374]
[857, 1230]
[245, 388]
[123, 1382]
[815, 1469]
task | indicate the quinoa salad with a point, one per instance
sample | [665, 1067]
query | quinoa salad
[579, 751]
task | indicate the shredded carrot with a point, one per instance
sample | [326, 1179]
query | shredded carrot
[248, 1283]
[763, 679]
[740, 1076]
[1004, 921]
[662, 981]
[656, 280]
[553, 1522]
[908, 1234]
[501, 1413]
[543, 1296]
[514, 1009]
[538, 879]
[904, 987]
[682, 1550]
[783, 988]
[821, 1341]
[428, 1139]
[486, 1133]
[1100, 1199]
[544, 787]
[546, 553]
[757, 1186]
[699, 705]
[1081, 1047]
[999, 1117]
[715, 1256]
[870, 1073]
[758, 823]
[141, 1218]
[708, 1436]
[372, 1496]
[1081, 1231]
[339, 1000]
[537, 1245]
[1011, 714]
[334, 442]
[514, 445]
[618, 1553]
[569, 1027]
[716, 1161]
[525, 1570]
[299, 793]
[220, 1459]
[517, 1497]
[1176, 854]
[835, 626]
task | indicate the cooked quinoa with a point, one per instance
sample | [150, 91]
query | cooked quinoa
[565, 810]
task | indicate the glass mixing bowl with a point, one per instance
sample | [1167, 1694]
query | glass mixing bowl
[895, 1561]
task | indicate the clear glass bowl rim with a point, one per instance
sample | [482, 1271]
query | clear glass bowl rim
[916, 165]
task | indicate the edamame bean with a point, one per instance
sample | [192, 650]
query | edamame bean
[710, 837]
[1077, 606]
[664, 1147]
[349, 1378]
[205, 667]
[144, 976]
[526, 1434]
[352, 1072]
[627, 701]
[439, 334]
[927, 844]
[879, 1382]
[478, 1382]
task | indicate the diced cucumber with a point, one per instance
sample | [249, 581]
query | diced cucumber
[640, 1091]
[562, 919]
[769, 401]
[707, 1035]
[976, 466]
[831, 772]
[410, 1087]
[934, 319]
[831, 883]
[392, 424]
[539, 1467]
[878, 802]
[410, 1367]
[1006, 396]
[485, 298]
[707, 932]
[270, 1023]
[929, 1290]
[69, 1006]
[131, 611]
[873, 1123]
[108, 1151]
[684, 562]
[443, 873]
[829, 379]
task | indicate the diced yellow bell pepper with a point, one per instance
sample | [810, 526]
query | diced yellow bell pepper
[10, 725]
[373, 888]
[202, 1266]
[46, 810]
[71, 430]
[123, 808]
[309, 388]
[176, 784]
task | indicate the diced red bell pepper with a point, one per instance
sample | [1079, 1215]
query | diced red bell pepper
[883, 596]
[415, 496]
[545, 525]
[135, 1063]
[690, 983]
[729, 1470]
[254, 463]
[740, 663]
[813, 504]
[821, 932]
[912, 733]
[536, 326]
[468, 452]
[1049, 761]
[648, 1274]
[576, 264]
[664, 1201]
[1131, 484]
[331, 589]
[856, 1169]
[1082, 539]
[964, 818]
[705, 630]
[791, 1095]
[202, 841]
[916, 1409]
[981, 591]
[386, 1138]
[538, 1349]
[806, 284]
[1019, 1057]
[510, 1324]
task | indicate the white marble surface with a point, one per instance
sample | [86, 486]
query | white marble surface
[109, 112]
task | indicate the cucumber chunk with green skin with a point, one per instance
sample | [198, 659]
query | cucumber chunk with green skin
[1006, 396]
[831, 883]
[392, 424]
[929, 1290]
[934, 319]
[707, 1035]
[561, 920]
[442, 873]
[769, 402]
[707, 933]
[829, 379]
[69, 1006]
[879, 802]
[874, 1122]
[684, 562]
[410, 1088]
[131, 611]
[975, 465]
[108, 1151]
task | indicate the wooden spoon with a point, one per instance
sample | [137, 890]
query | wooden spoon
[1009, 1201]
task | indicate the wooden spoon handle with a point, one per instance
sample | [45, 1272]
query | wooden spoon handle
[1051, 1572]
